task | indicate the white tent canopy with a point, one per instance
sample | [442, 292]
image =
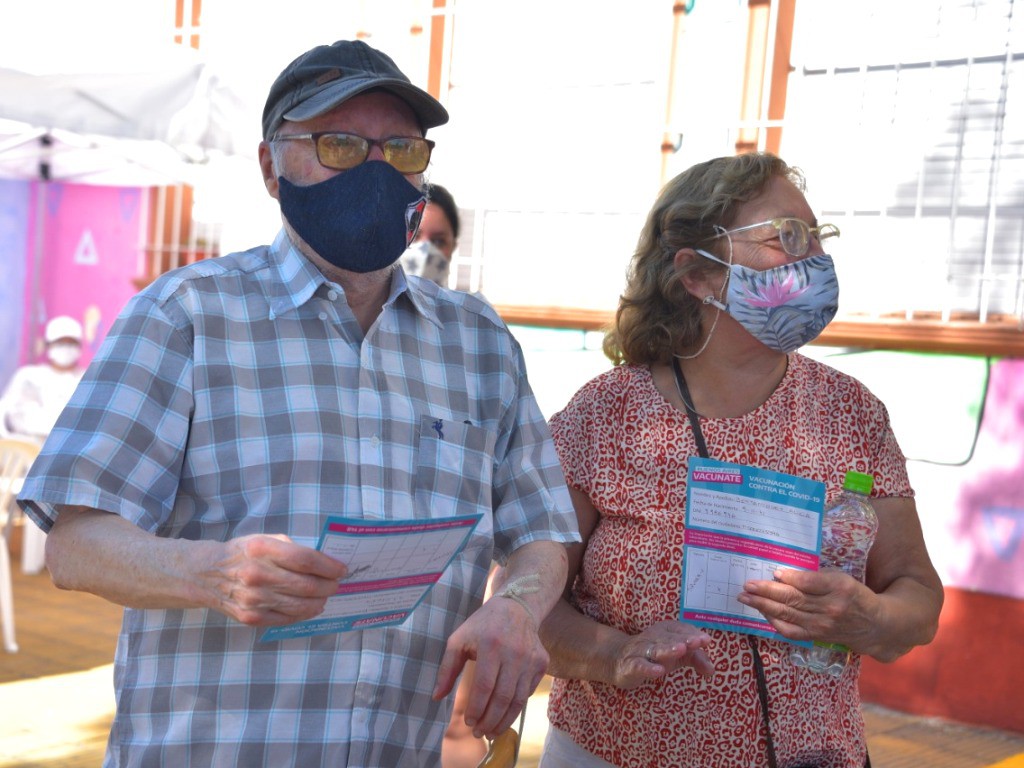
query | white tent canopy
[158, 119]
[150, 125]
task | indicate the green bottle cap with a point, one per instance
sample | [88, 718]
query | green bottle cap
[858, 482]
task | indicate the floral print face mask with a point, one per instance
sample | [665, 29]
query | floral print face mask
[784, 307]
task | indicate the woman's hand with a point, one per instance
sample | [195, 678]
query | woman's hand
[896, 610]
[828, 605]
[660, 649]
[584, 649]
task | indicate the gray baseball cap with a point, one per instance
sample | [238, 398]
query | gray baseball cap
[325, 76]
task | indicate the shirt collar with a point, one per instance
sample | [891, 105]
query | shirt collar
[420, 293]
[298, 279]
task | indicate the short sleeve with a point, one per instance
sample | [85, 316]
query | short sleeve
[889, 465]
[582, 428]
[119, 444]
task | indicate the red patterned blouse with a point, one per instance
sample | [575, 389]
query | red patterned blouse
[624, 446]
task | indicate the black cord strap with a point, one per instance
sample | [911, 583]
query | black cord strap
[702, 449]
[762, 694]
[762, 685]
[687, 398]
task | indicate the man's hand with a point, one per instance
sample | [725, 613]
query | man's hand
[259, 580]
[264, 580]
[510, 662]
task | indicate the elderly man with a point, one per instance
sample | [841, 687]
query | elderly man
[239, 402]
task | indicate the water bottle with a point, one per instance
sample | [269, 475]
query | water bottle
[847, 533]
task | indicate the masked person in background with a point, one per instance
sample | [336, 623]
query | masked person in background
[430, 255]
[37, 394]
[729, 279]
[239, 402]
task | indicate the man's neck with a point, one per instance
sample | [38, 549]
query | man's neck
[365, 292]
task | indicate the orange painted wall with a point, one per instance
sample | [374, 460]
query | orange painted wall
[973, 672]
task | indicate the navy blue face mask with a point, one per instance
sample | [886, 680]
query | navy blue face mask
[361, 220]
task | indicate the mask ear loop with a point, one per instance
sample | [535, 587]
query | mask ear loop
[725, 283]
[710, 299]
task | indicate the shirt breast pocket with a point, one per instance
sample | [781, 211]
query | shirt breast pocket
[454, 466]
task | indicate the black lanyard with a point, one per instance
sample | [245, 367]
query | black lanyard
[762, 685]
[702, 449]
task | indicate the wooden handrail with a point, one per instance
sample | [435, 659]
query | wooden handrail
[1001, 336]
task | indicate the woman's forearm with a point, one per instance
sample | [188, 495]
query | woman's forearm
[580, 648]
[908, 617]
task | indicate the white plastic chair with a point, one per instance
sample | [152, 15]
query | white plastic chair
[16, 456]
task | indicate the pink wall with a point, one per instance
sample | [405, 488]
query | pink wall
[973, 513]
[973, 518]
[991, 498]
[89, 258]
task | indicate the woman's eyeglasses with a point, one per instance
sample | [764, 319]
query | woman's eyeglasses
[343, 151]
[794, 234]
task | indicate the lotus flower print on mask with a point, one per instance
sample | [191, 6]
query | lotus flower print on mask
[784, 307]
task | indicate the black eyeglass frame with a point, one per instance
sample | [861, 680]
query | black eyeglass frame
[370, 143]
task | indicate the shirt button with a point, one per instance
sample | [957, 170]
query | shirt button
[332, 295]
[375, 441]
[323, 315]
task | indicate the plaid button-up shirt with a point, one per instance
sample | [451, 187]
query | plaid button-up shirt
[239, 396]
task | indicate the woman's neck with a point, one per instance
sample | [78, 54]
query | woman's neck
[725, 384]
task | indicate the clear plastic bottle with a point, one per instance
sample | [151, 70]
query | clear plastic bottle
[847, 533]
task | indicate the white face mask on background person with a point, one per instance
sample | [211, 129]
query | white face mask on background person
[63, 355]
[426, 260]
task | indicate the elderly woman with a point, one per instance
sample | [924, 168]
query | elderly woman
[729, 278]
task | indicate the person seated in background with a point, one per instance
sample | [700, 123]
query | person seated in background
[38, 393]
[32, 401]
[430, 255]
[729, 279]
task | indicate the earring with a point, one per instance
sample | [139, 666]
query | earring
[709, 299]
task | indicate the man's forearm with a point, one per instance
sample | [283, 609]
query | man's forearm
[102, 553]
[534, 577]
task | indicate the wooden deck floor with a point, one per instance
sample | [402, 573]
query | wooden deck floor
[56, 693]
[56, 696]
